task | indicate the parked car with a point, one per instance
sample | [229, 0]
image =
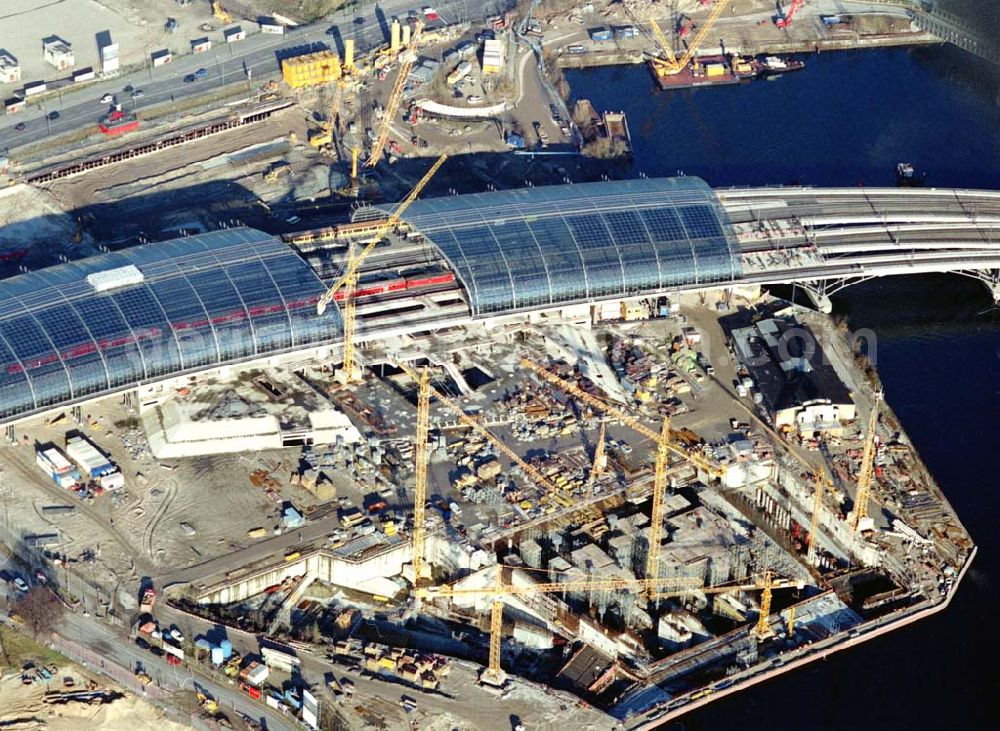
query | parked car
[20, 585]
[176, 634]
[141, 643]
[107, 98]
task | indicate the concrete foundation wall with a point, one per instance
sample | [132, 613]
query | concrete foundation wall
[323, 565]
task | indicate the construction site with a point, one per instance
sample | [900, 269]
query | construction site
[510, 439]
[607, 503]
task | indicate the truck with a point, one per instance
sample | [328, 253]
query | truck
[94, 463]
[55, 464]
[148, 600]
[254, 674]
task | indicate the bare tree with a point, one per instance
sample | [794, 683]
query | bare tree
[40, 609]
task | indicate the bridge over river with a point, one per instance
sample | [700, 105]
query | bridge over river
[829, 238]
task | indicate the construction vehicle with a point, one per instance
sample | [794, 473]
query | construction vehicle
[220, 13]
[407, 58]
[673, 65]
[321, 136]
[141, 675]
[349, 279]
[867, 470]
[784, 18]
[277, 171]
[207, 703]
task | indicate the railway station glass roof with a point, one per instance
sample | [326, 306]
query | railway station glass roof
[520, 249]
[116, 320]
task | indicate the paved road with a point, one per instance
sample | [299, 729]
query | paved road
[229, 64]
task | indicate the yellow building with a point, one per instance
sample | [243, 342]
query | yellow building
[312, 69]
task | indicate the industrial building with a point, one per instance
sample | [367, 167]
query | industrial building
[797, 385]
[10, 69]
[311, 69]
[58, 53]
[492, 56]
[246, 415]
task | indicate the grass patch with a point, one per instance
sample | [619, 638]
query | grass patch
[20, 648]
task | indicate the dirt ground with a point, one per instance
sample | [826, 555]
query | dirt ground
[22, 709]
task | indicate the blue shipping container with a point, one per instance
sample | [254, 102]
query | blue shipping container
[600, 34]
[227, 649]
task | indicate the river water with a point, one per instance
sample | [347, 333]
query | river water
[848, 118]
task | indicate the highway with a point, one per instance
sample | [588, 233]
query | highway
[225, 65]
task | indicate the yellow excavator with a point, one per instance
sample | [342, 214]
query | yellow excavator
[220, 13]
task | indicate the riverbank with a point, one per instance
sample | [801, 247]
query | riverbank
[620, 57]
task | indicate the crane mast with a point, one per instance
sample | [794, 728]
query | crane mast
[665, 44]
[677, 65]
[349, 279]
[606, 408]
[867, 470]
[395, 97]
[537, 477]
[597, 466]
[420, 470]
[820, 484]
[762, 630]
[658, 512]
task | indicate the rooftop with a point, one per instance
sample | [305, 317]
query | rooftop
[519, 249]
[787, 364]
[152, 312]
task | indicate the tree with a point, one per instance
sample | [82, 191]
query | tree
[40, 610]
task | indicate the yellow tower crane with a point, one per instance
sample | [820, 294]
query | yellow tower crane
[355, 152]
[665, 44]
[664, 447]
[597, 466]
[220, 13]
[867, 470]
[349, 279]
[420, 472]
[820, 484]
[762, 630]
[395, 97]
[673, 65]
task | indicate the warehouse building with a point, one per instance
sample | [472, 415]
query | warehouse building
[792, 378]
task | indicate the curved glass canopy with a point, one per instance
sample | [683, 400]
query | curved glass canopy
[519, 249]
[116, 320]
